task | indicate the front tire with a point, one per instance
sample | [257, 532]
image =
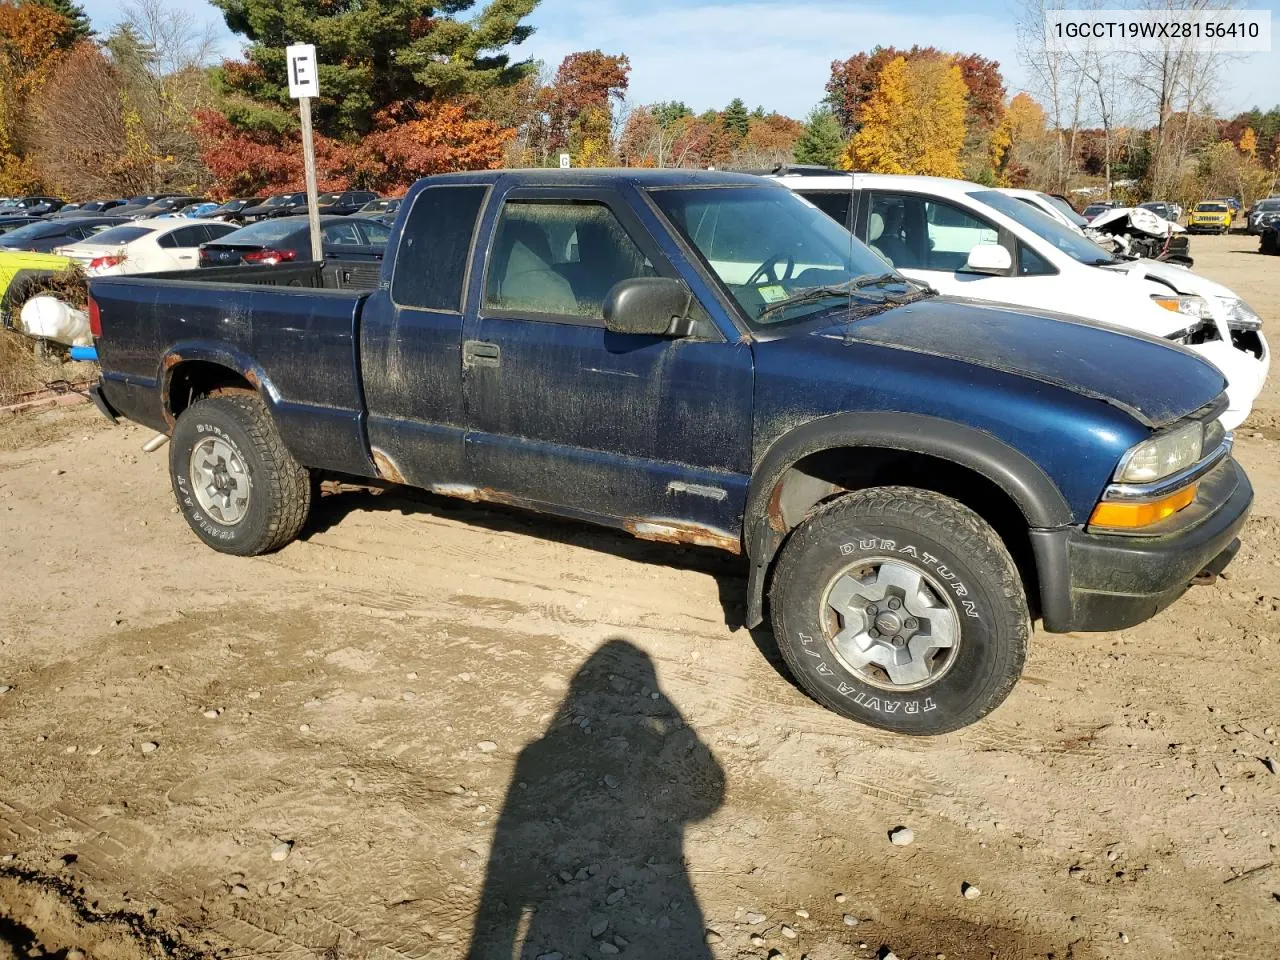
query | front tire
[902, 609]
[241, 491]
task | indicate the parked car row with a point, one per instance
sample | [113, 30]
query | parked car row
[238, 210]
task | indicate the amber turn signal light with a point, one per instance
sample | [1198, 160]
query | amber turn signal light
[1121, 515]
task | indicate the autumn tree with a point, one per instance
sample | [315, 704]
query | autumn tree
[1249, 142]
[770, 141]
[913, 121]
[576, 112]
[30, 50]
[441, 137]
[821, 142]
[77, 26]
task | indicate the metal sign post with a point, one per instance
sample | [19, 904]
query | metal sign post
[304, 84]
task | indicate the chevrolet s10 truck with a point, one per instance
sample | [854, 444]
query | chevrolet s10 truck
[705, 358]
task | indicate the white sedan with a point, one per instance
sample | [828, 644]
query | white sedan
[972, 241]
[146, 246]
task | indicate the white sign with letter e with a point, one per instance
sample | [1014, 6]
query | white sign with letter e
[303, 79]
[564, 161]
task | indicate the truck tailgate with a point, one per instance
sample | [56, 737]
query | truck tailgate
[298, 344]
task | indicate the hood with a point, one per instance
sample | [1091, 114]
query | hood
[11, 260]
[1180, 278]
[1154, 381]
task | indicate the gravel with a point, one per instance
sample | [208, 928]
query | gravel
[281, 851]
[901, 836]
[754, 918]
[486, 746]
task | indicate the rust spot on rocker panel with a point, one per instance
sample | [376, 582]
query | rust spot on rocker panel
[674, 531]
[387, 470]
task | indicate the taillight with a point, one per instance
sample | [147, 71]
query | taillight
[269, 257]
[95, 318]
[112, 260]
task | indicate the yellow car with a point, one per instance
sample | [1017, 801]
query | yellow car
[1211, 216]
[20, 276]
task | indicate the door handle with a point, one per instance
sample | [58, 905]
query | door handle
[477, 353]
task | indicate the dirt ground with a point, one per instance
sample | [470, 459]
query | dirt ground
[320, 753]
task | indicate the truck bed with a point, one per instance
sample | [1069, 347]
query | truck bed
[259, 321]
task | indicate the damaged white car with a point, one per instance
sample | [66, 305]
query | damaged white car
[973, 241]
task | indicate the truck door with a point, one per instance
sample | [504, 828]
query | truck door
[650, 433]
[410, 342]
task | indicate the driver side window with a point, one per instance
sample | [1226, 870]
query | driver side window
[924, 233]
[560, 257]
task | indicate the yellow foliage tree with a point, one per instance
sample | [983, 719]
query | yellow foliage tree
[1249, 142]
[913, 121]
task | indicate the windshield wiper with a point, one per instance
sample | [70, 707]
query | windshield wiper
[808, 295]
[814, 294]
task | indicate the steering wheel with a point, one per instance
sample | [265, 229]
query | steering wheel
[767, 271]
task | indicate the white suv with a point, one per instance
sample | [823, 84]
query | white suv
[973, 241]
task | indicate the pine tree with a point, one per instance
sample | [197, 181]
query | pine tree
[78, 26]
[373, 56]
[736, 119]
[822, 141]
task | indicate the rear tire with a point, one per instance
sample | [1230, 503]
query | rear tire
[912, 579]
[241, 491]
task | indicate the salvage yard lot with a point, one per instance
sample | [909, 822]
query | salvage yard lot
[419, 684]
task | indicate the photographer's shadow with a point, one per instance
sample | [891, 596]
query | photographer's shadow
[589, 848]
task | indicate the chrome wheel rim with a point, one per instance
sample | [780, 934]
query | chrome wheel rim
[220, 481]
[890, 624]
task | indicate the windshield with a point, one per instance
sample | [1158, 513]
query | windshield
[776, 253]
[1269, 205]
[263, 232]
[33, 231]
[329, 198]
[1074, 245]
[1064, 208]
[118, 235]
[277, 201]
[1211, 208]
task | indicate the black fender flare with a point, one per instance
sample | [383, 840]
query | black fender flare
[1027, 485]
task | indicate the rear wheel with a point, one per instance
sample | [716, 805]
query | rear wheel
[902, 609]
[241, 491]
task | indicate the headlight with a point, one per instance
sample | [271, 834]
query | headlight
[1188, 304]
[1163, 455]
[1241, 316]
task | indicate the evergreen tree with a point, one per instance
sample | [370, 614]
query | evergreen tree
[373, 56]
[78, 26]
[669, 112]
[736, 119]
[822, 141]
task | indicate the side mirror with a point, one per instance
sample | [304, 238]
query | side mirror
[988, 258]
[649, 306]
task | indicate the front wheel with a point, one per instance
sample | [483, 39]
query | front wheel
[240, 489]
[902, 609]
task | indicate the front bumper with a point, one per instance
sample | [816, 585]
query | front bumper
[1207, 226]
[1093, 582]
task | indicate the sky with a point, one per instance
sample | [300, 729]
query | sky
[777, 53]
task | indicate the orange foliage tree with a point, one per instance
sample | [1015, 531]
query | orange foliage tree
[30, 38]
[913, 121]
[439, 139]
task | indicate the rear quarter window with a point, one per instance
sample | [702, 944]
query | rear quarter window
[431, 262]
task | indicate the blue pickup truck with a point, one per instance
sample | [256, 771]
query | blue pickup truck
[706, 358]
